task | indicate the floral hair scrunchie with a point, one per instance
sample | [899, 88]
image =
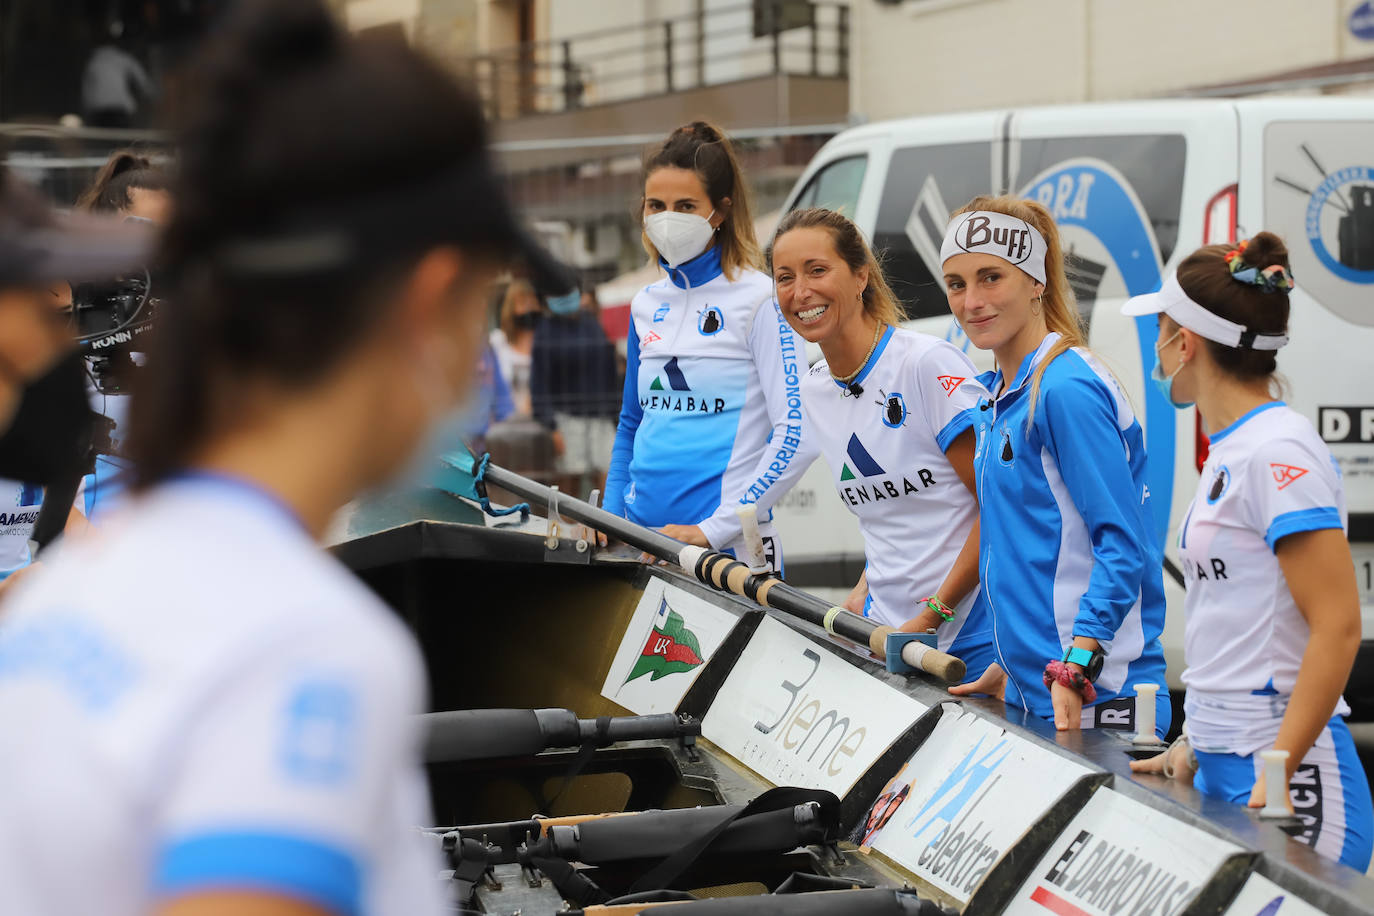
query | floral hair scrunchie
[1272, 279]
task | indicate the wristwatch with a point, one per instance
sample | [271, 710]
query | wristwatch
[1090, 660]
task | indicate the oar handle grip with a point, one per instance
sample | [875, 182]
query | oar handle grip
[918, 655]
[572, 820]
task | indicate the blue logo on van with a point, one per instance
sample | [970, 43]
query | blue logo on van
[1350, 193]
[1361, 21]
[1093, 196]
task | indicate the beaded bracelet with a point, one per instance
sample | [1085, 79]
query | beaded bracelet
[1057, 672]
[939, 607]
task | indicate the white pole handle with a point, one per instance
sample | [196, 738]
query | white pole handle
[1275, 784]
[754, 556]
[1145, 714]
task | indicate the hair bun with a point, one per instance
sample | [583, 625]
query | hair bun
[127, 161]
[1265, 249]
[704, 131]
[278, 37]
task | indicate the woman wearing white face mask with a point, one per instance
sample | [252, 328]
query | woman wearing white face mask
[228, 712]
[1273, 612]
[711, 418]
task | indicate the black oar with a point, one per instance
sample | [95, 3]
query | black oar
[468, 476]
[867, 902]
[486, 734]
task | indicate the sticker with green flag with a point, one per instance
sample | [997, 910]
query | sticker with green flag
[666, 644]
[670, 649]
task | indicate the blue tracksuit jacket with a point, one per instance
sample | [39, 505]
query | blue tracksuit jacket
[1066, 545]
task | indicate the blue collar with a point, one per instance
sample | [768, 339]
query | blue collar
[699, 271]
[1223, 433]
[872, 361]
[240, 487]
[1023, 372]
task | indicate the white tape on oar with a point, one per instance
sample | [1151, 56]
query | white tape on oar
[689, 557]
[829, 621]
[913, 652]
[1275, 784]
[754, 557]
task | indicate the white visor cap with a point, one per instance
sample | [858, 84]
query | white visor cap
[987, 232]
[1174, 302]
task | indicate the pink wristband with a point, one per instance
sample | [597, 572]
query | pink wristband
[1057, 672]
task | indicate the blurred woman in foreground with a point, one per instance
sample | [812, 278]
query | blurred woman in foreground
[223, 709]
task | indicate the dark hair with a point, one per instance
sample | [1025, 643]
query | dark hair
[1206, 278]
[125, 170]
[288, 117]
[702, 148]
[878, 298]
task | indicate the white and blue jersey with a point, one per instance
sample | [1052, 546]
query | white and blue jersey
[200, 700]
[886, 450]
[19, 507]
[711, 417]
[1267, 476]
[1066, 547]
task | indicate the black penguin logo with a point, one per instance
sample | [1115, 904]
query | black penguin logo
[894, 411]
[894, 408]
[711, 321]
[1220, 482]
[1006, 455]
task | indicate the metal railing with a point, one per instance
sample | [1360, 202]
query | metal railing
[63, 161]
[716, 45]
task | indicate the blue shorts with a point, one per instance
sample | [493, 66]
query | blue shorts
[1329, 791]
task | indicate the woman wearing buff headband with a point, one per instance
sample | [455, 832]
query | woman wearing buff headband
[1068, 560]
[1273, 611]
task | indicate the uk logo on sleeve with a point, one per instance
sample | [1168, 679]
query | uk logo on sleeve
[950, 382]
[1284, 474]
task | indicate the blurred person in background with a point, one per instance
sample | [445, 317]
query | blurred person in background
[573, 390]
[513, 340]
[491, 401]
[711, 416]
[1273, 609]
[226, 710]
[114, 86]
[131, 186]
[44, 423]
[1072, 574]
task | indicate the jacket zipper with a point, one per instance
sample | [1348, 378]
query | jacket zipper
[686, 308]
[997, 643]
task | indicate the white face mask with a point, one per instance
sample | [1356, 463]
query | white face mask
[679, 237]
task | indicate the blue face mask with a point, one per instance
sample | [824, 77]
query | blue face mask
[566, 304]
[1165, 383]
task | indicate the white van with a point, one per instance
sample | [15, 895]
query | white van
[1135, 187]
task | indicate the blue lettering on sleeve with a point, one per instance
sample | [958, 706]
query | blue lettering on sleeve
[320, 734]
[73, 652]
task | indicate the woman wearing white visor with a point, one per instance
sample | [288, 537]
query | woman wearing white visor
[1273, 614]
[1072, 573]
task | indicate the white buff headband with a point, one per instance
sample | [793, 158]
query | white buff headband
[988, 232]
[1174, 302]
